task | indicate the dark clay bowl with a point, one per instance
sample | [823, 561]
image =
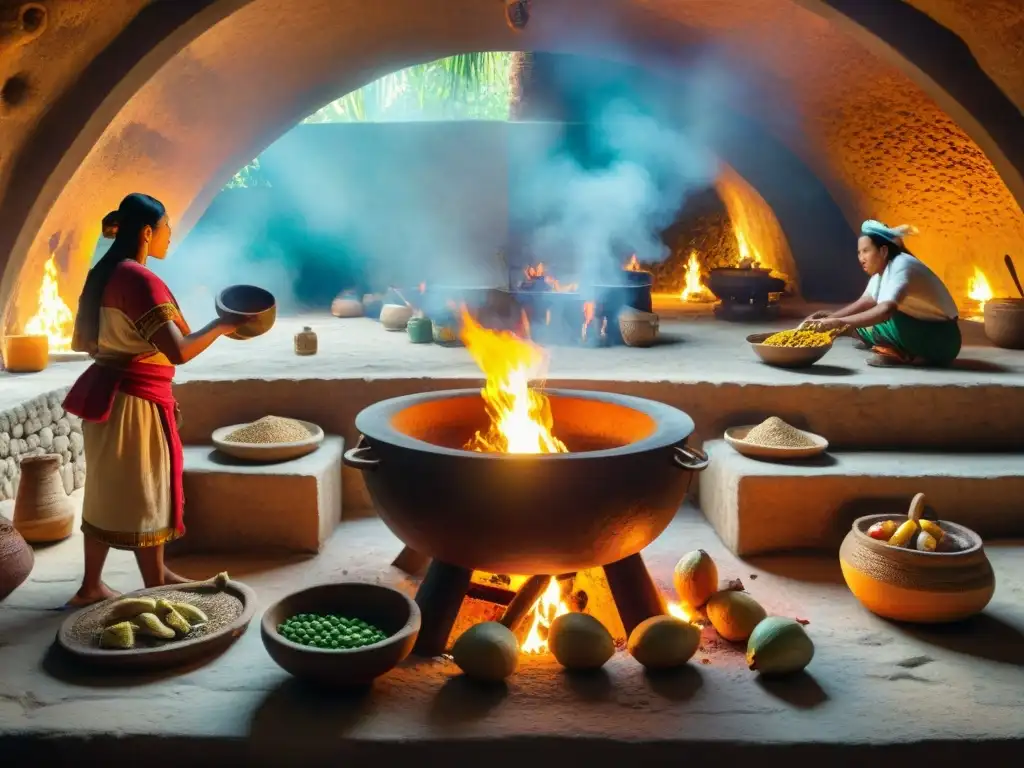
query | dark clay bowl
[388, 609]
[250, 302]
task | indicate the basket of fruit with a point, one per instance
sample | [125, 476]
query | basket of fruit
[916, 570]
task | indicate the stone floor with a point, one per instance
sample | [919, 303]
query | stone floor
[940, 695]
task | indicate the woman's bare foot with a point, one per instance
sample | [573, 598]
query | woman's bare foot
[91, 596]
[170, 577]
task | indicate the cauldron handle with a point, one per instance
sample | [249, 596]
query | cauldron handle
[688, 457]
[361, 457]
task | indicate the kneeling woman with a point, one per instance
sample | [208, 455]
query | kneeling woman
[130, 324]
[907, 315]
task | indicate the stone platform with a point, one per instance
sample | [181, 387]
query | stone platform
[233, 506]
[760, 506]
[876, 693]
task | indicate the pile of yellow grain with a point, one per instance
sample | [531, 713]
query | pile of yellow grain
[798, 337]
[269, 430]
[775, 433]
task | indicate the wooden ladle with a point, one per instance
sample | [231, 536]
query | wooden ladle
[1013, 274]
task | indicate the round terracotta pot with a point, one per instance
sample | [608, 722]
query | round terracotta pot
[42, 511]
[1004, 323]
[912, 586]
[16, 558]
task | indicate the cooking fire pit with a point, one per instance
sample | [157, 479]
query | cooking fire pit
[626, 471]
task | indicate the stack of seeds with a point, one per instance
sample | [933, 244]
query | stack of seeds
[330, 632]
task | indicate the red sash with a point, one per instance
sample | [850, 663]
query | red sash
[92, 397]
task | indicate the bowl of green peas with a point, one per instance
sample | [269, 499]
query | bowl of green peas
[342, 634]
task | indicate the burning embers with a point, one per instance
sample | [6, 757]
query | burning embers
[520, 416]
[537, 278]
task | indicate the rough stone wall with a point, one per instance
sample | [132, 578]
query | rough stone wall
[35, 428]
[993, 30]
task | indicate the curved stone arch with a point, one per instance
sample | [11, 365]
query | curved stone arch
[438, 35]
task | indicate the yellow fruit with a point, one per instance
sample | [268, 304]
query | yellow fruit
[579, 641]
[487, 651]
[177, 622]
[695, 578]
[162, 607]
[190, 613]
[734, 615]
[932, 529]
[925, 542]
[118, 636]
[779, 646]
[129, 608]
[149, 624]
[663, 642]
[903, 534]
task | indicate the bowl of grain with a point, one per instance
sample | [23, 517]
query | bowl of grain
[791, 349]
[269, 439]
[775, 439]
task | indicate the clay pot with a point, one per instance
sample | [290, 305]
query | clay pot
[1004, 323]
[392, 612]
[638, 329]
[16, 558]
[421, 330]
[251, 302]
[912, 586]
[394, 317]
[43, 513]
[346, 306]
[26, 354]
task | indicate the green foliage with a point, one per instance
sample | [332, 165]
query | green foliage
[250, 176]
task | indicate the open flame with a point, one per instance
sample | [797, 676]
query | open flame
[54, 318]
[694, 288]
[539, 273]
[979, 290]
[633, 265]
[548, 607]
[520, 415]
[677, 610]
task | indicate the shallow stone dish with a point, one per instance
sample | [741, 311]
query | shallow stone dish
[736, 437]
[391, 611]
[172, 653]
[913, 586]
[267, 452]
[786, 357]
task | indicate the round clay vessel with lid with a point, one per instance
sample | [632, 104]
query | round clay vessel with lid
[16, 558]
[43, 513]
[914, 586]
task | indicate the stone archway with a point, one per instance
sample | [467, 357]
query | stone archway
[231, 75]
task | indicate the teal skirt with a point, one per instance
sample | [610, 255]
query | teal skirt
[937, 342]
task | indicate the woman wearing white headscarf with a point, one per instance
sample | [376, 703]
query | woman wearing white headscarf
[907, 315]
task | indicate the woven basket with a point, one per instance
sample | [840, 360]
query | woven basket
[638, 333]
[16, 558]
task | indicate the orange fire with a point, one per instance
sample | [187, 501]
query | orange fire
[633, 265]
[979, 290]
[520, 415]
[54, 318]
[539, 272]
[694, 288]
[548, 608]
[677, 610]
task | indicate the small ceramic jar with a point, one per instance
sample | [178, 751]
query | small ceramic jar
[421, 330]
[306, 342]
[395, 317]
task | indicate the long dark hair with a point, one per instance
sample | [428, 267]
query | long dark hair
[136, 212]
[894, 249]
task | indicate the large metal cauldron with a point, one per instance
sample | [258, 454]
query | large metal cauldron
[627, 472]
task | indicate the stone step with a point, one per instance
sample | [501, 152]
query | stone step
[759, 506]
[230, 506]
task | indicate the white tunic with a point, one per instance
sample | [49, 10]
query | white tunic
[916, 290]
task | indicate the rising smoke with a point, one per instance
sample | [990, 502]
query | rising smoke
[364, 206]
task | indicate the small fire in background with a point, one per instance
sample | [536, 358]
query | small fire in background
[676, 610]
[694, 289]
[54, 318]
[538, 274]
[548, 607]
[633, 265]
[979, 290]
[520, 415]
